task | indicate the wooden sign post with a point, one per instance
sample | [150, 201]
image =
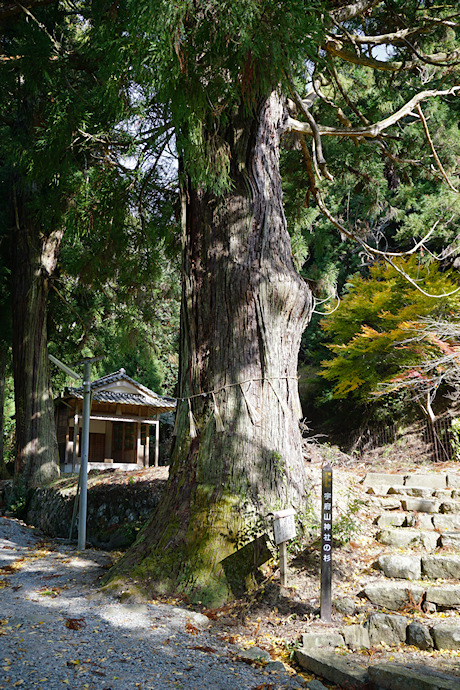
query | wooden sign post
[284, 529]
[326, 543]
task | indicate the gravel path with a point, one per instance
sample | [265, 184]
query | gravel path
[58, 631]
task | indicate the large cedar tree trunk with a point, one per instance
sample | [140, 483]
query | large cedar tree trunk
[244, 308]
[33, 260]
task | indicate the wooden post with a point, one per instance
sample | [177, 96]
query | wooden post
[76, 439]
[326, 544]
[283, 563]
[139, 446]
[157, 442]
[284, 529]
[147, 446]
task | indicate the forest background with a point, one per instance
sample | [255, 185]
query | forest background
[105, 129]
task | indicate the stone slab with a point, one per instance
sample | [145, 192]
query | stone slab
[443, 493]
[447, 523]
[432, 481]
[387, 629]
[391, 520]
[417, 491]
[450, 506]
[405, 567]
[383, 478]
[453, 480]
[388, 676]
[456, 493]
[446, 636]
[334, 668]
[421, 505]
[377, 490]
[314, 640]
[344, 605]
[420, 520]
[388, 502]
[447, 596]
[392, 595]
[451, 540]
[407, 536]
[356, 636]
[443, 567]
[419, 636]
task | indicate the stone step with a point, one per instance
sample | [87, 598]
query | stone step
[393, 519]
[392, 676]
[441, 567]
[409, 537]
[420, 505]
[380, 482]
[433, 480]
[378, 490]
[419, 491]
[450, 540]
[394, 629]
[323, 654]
[385, 502]
[447, 523]
[374, 479]
[453, 479]
[450, 506]
[420, 521]
[445, 597]
[399, 566]
[394, 596]
[413, 567]
[419, 513]
[336, 669]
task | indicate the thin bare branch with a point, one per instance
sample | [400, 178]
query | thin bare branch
[343, 14]
[41, 26]
[392, 38]
[433, 150]
[351, 105]
[407, 277]
[315, 132]
[437, 59]
[372, 130]
[335, 47]
[9, 9]
[326, 313]
[370, 251]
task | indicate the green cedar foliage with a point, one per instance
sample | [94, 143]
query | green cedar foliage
[375, 317]
[55, 108]
[206, 59]
[76, 131]
[123, 306]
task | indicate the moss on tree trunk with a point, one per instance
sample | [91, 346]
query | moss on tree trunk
[244, 308]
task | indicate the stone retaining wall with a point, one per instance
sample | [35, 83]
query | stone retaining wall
[116, 511]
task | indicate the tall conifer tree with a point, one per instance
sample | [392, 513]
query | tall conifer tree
[226, 70]
[55, 110]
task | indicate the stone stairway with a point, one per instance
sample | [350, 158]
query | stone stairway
[415, 587]
[420, 515]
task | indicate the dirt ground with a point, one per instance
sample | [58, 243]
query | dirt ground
[274, 617]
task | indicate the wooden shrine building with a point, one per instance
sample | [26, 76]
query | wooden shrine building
[122, 412]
